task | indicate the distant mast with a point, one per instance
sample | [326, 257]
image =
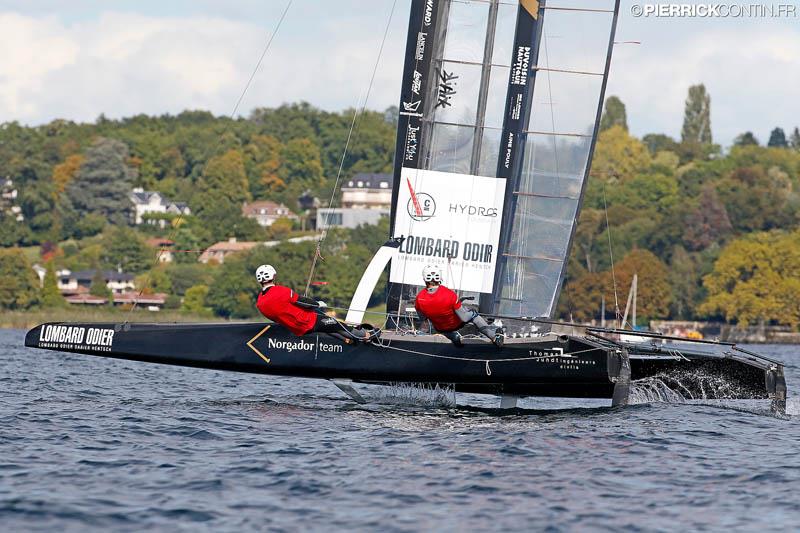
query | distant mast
[499, 108]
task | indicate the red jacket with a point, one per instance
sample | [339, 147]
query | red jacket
[278, 304]
[440, 308]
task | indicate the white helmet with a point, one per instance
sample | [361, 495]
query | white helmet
[265, 273]
[432, 273]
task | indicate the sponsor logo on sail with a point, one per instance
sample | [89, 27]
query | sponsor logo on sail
[421, 38]
[76, 337]
[519, 70]
[416, 82]
[411, 108]
[509, 150]
[447, 88]
[447, 249]
[421, 206]
[428, 16]
[473, 210]
[412, 142]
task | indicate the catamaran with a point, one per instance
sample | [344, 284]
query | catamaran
[498, 117]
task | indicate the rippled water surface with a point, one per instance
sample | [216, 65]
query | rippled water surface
[91, 443]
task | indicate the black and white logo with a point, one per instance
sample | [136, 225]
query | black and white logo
[519, 70]
[416, 83]
[428, 17]
[447, 88]
[411, 107]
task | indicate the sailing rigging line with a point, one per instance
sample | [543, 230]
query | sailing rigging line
[177, 222]
[356, 114]
[611, 253]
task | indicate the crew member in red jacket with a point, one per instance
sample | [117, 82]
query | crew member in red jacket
[299, 314]
[442, 307]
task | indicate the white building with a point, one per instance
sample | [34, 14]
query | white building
[146, 202]
[78, 282]
[365, 199]
[368, 191]
[266, 212]
[340, 217]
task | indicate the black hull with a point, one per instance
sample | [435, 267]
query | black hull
[561, 366]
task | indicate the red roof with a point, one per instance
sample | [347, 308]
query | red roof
[86, 299]
[269, 208]
[144, 299]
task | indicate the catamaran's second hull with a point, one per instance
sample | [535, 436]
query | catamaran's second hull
[562, 366]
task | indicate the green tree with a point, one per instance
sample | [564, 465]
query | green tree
[99, 286]
[280, 229]
[194, 301]
[302, 163]
[183, 276]
[51, 296]
[614, 114]
[756, 279]
[225, 181]
[697, 116]
[756, 200]
[19, 284]
[746, 139]
[103, 184]
[658, 142]
[795, 140]
[619, 155]
[777, 139]
[262, 162]
[124, 249]
[156, 280]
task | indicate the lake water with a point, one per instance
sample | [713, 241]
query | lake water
[88, 443]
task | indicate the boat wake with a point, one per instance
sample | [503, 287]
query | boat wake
[683, 385]
[700, 388]
[413, 394]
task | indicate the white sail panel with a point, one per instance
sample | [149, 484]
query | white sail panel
[451, 220]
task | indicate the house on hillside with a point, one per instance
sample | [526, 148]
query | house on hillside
[219, 251]
[165, 249]
[73, 283]
[368, 191]
[365, 199]
[266, 212]
[152, 202]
